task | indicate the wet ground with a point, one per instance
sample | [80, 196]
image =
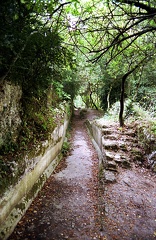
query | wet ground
[66, 208]
[72, 205]
[130, 206]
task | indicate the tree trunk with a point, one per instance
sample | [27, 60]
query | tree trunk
[108, 97]
[92, 102]
[121, 119]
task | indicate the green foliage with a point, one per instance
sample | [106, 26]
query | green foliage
[112, 88]
[132, 112]
[135, 111]
[71, 83]
[65, 148]
[147, 134]
[153, 127]
[38, 121]
[143, 88]
[32, 50]
[9, 144]
[33, 55]
[44, 121]
[109, 32]
[36, 56]
[4, 168]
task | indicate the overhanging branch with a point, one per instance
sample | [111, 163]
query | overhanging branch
[140, 5]
[113, 43]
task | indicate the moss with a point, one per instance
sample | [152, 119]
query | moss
[65, 148]
[21, 206]
[38, 123]
[37, 186]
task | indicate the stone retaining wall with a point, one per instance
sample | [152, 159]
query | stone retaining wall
[10, 107]
[96, 135]
[18, 198]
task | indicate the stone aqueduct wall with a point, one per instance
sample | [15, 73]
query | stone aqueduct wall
[96, 135]
[39, 162]
[19, 197]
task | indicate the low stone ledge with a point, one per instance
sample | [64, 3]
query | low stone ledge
[18, 198]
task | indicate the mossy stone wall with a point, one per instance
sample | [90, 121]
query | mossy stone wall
[18, 198]
[10, 108]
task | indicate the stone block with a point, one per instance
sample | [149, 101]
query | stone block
[109, 176]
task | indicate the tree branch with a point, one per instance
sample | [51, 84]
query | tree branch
[115, 43]
[139, 4]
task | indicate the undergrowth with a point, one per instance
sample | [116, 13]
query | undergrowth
[145, 122]
[38, 122]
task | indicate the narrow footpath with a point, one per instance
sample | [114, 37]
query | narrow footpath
[75, 204]
[67, 206]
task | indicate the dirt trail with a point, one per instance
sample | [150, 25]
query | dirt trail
[66, 208]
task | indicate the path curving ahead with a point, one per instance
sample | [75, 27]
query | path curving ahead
[66, 207]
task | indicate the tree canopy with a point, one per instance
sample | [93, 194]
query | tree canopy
[117, 33]
[44, 42]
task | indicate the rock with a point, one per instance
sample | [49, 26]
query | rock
[110, 144]
[123, 147]
[113, 144]
[109, 176]
[126, 164]
[138, 200]
[154, 168]
[10, 109]
[106, 131]
[109, 155]
[83, 112]
[111, 165]
[131, 133]
[117, 158]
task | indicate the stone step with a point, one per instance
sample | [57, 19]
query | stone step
[109, 155]
[111, 137]
[111, 165]
[128, 141]
[109, 131]
[119, 158]
[126, 164]
[113, 144]
[130, 133]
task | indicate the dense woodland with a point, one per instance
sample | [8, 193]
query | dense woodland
[103, 51]
[57, 56]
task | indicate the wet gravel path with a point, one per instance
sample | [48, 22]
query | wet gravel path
[66, 208]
